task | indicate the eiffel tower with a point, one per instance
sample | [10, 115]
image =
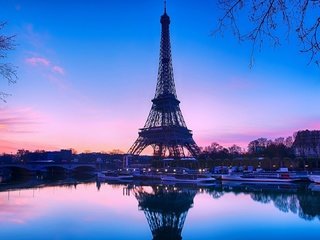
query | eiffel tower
[165, 129]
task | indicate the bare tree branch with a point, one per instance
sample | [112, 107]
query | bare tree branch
[7, 70]
[267, 19]
[3, 96]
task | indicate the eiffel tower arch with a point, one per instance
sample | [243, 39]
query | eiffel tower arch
[165, 129]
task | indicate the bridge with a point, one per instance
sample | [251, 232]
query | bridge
[45, 166]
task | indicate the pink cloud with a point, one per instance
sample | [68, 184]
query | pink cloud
[50, 70]
[41, 61]
[18, 121]
[20, 128]
[58, 69]
[36, 61]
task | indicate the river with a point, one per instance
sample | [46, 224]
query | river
[74, 209]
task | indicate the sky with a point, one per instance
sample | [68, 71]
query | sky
[87, 72]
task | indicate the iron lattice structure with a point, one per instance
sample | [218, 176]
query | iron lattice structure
[165, 129]
[166, 210]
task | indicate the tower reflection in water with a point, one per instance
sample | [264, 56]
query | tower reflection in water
[166, 209]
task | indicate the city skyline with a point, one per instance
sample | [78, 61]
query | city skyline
[86, 78]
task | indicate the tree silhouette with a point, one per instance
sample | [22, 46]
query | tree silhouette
[260, 20]
[7, 70]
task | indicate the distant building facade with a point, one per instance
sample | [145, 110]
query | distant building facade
[307, 143]
[64, 155]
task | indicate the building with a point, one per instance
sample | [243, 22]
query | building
[307, 143]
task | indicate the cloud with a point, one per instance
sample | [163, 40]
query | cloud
[36, 61]
[20, 120]
[58, 69]
[19, 128]
[50, 71]
[41, 61]
[37, 43]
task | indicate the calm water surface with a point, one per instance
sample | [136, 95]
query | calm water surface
[132, 211]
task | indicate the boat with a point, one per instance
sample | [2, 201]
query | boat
[314, 178]
[314, 187]
[113, 176]
[5, 175]
[157, 173]
[147, 176]
[261, 176]
[187, 178]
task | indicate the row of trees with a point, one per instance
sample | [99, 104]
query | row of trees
[261, 147]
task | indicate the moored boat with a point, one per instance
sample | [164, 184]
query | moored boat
[314, 178]
[5, 175]
[157, 173]
[187, 178]
[147, 176]
[262, 176]
[113, 176]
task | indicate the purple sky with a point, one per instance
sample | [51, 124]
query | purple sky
[87, 74]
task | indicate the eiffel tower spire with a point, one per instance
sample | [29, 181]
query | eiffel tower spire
[165, 84]
[165, 129]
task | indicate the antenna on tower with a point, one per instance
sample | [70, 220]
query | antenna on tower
[165, 6]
